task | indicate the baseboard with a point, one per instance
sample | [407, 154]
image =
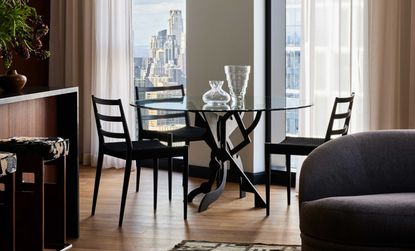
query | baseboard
[278, 177]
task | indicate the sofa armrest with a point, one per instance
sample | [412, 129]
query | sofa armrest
[359, 164]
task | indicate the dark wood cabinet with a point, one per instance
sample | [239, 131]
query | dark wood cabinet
[43, 112]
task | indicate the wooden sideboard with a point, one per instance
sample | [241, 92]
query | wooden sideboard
[41, 112]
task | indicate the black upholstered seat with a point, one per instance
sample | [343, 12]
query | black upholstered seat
[147, 149]
[300, 145]
[187, 133]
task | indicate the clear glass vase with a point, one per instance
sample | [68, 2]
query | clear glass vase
[216, 95]
[237, 77]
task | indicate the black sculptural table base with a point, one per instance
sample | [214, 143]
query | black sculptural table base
[219, 127]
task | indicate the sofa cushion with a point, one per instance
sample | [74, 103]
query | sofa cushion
[367, 220]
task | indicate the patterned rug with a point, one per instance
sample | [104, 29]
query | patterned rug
[219, 246]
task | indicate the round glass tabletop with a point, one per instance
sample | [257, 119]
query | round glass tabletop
[196, 104]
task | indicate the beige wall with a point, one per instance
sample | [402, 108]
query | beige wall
[223, 32]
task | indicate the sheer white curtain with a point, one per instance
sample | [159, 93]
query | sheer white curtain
[91, 46]
[112, 76]
[333, 61]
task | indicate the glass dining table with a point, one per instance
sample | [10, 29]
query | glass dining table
[221, 120]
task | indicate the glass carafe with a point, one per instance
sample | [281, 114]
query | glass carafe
[216, 95]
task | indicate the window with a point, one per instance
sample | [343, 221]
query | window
[284, 28]
[159, 48]
[331, 57]
[293, 51]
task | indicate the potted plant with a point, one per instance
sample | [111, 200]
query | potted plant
[21, 31]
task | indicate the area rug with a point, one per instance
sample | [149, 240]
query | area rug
[221, 246]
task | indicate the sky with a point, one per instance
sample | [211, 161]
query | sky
[151, 16]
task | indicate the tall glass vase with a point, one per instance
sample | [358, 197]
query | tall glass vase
[237, 77]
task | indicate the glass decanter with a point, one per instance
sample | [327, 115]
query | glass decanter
[216, 95]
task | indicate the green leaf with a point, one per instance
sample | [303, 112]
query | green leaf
[18, 24]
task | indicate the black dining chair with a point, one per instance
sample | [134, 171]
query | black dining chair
[186, 133]
[130, 150]
[304, 146]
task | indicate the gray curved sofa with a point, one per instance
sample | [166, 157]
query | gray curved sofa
[357, 192]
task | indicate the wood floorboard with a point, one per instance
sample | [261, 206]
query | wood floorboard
[228, 219]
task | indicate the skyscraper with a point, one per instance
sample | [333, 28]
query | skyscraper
[165, 64]
[176, 25]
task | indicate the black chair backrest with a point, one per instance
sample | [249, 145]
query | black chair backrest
[159, 93]
[335, 115]
[107, 118]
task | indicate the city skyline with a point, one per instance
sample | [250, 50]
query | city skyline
[164, 61]
[149, 17]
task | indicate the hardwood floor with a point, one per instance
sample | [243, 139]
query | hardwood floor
[228, 219]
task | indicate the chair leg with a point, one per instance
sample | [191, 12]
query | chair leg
[170, 171]
[97, 180]
[155, 182]
[288, 169]
[185, 183]
[138, 170]
[267, 180]
[125, 189]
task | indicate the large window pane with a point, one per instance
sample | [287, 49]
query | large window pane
[293, 48]
[159, 48]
